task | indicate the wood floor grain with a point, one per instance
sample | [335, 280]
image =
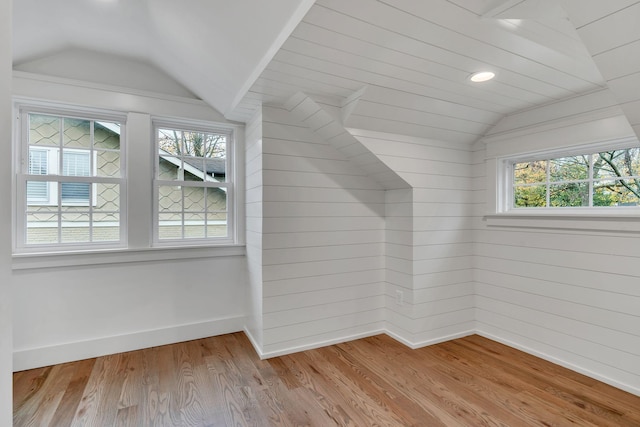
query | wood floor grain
[220, 381]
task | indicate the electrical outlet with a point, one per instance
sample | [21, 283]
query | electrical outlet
[399, 297]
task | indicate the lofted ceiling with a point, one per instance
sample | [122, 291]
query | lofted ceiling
[397, 66]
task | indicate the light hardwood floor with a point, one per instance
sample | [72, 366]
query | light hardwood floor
[220, 381]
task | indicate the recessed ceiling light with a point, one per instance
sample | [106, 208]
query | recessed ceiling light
[482, 76]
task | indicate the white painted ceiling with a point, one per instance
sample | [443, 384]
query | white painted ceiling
[389, 65]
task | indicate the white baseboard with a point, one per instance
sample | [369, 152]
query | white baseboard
[617, 384]
[311, 346]
[425, 343]
[68, 352]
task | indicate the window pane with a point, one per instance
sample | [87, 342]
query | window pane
[75, 228]
[193, 199]
[169, 198]
[106, 227]
[216, 156]
[194, 226]
[530, 172]
[170, 168]
[194, 169]
[569, 168]
[216, 200]
[75, 192]
[77, 133]
[107, 197]
[217, 225]
[566, 195]
[38, 162]
[619, 163]
[37, 192]
[530, 196]
[616, 193]
[170, 226]
[108, 163]
[76, 163]
[106, 135]
[193, 144]
[44, 130]
[42, 228]
[170, 141]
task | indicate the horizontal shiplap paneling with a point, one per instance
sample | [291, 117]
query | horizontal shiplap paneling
[323, 239]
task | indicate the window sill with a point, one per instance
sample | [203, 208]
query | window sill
[119, 256]
[611, 222]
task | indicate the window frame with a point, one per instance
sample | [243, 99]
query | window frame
[21, 175]
[506, 185]
[229, 184]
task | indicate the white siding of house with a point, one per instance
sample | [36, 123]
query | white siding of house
[565, 294]
[430, 234]
[6, 331]
[323, 241]
[254, 202]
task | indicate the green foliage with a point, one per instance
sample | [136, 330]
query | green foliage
[613, 173]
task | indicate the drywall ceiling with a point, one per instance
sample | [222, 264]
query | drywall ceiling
[389, 65]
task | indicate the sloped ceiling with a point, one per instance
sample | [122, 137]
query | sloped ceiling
[397, 66]
[611, 32]
[196, 42]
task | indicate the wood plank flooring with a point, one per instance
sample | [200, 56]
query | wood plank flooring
[220, 381]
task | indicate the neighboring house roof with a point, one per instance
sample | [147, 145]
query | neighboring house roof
[191, 168]
[213, 165]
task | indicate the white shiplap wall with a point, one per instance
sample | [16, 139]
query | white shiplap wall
[322, 240]
[430, 233]
[568, 295]
[254, 201]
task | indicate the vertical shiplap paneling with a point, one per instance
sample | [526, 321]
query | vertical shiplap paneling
[323, 240]
[568, 295]
[438, 228]
[254, 201]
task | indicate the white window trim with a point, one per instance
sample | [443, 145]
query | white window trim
[228, 186]
[21, 158]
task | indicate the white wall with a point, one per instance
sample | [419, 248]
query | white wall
[563, 293]
[66, 308]
[430, 236]
[323, 241]
[6, 346]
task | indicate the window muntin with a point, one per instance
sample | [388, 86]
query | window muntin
[602, 179]
[193, 186]
[69, 189]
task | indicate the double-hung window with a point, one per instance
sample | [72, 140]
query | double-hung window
[193, 188]
[69, 180]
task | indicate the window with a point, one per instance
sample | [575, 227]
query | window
[69, 181]
[193, 191]
[597, 179]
